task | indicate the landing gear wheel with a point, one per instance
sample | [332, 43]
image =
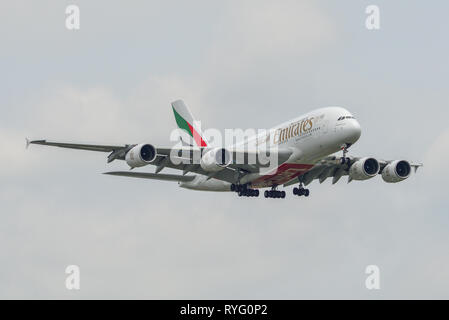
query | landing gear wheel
[301, 191]
[243, 190]
[273, 193]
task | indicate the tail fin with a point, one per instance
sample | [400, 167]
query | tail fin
[185, 121]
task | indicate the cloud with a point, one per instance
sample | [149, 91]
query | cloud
[243, 64]
[436, 156]
[255, 31]
[256, 39]
[97, 113]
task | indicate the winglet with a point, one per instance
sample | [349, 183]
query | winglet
[27, 143]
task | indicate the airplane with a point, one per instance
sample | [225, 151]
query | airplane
[301, 150]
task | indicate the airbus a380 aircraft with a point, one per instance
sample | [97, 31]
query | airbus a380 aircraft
[302, 148]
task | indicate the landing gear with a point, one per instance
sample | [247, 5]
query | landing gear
[273, 193]
[344, 149]
[249, 193]
[301, 191]
[243, 190]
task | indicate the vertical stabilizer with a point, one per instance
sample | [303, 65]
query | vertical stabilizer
[185, 121]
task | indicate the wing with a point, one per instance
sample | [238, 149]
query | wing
[90, 147]
[154, 176]
[331, 167]
[170, 158]
[176, 158]
[117, 152]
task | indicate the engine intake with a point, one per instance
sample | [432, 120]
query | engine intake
[396, 171]
[364, 169]
[215, 160]
[140, 155]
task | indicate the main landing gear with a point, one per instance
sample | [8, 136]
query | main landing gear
[243, 190]
[301, 191]
[273, 193]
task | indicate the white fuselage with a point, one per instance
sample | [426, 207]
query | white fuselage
[311, 137]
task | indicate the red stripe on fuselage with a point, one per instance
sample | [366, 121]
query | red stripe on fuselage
[284, 173]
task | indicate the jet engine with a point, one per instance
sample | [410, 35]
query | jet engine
[396, 171]
[364, 169]
[140, 155]
[215, 160]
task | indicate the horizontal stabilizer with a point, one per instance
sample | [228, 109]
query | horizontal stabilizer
[154, 176]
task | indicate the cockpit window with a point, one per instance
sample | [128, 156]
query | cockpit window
[345, 117]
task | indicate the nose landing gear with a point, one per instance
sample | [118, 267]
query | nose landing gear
[344, 148]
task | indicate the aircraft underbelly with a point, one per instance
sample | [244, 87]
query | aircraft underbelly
[284, 173]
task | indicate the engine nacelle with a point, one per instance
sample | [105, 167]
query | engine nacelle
[364, 169]
[140, 155]
[215, 160]
[396, 171]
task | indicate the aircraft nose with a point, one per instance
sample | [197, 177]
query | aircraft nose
[353, 131]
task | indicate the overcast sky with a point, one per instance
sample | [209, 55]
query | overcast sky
[236, 64]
